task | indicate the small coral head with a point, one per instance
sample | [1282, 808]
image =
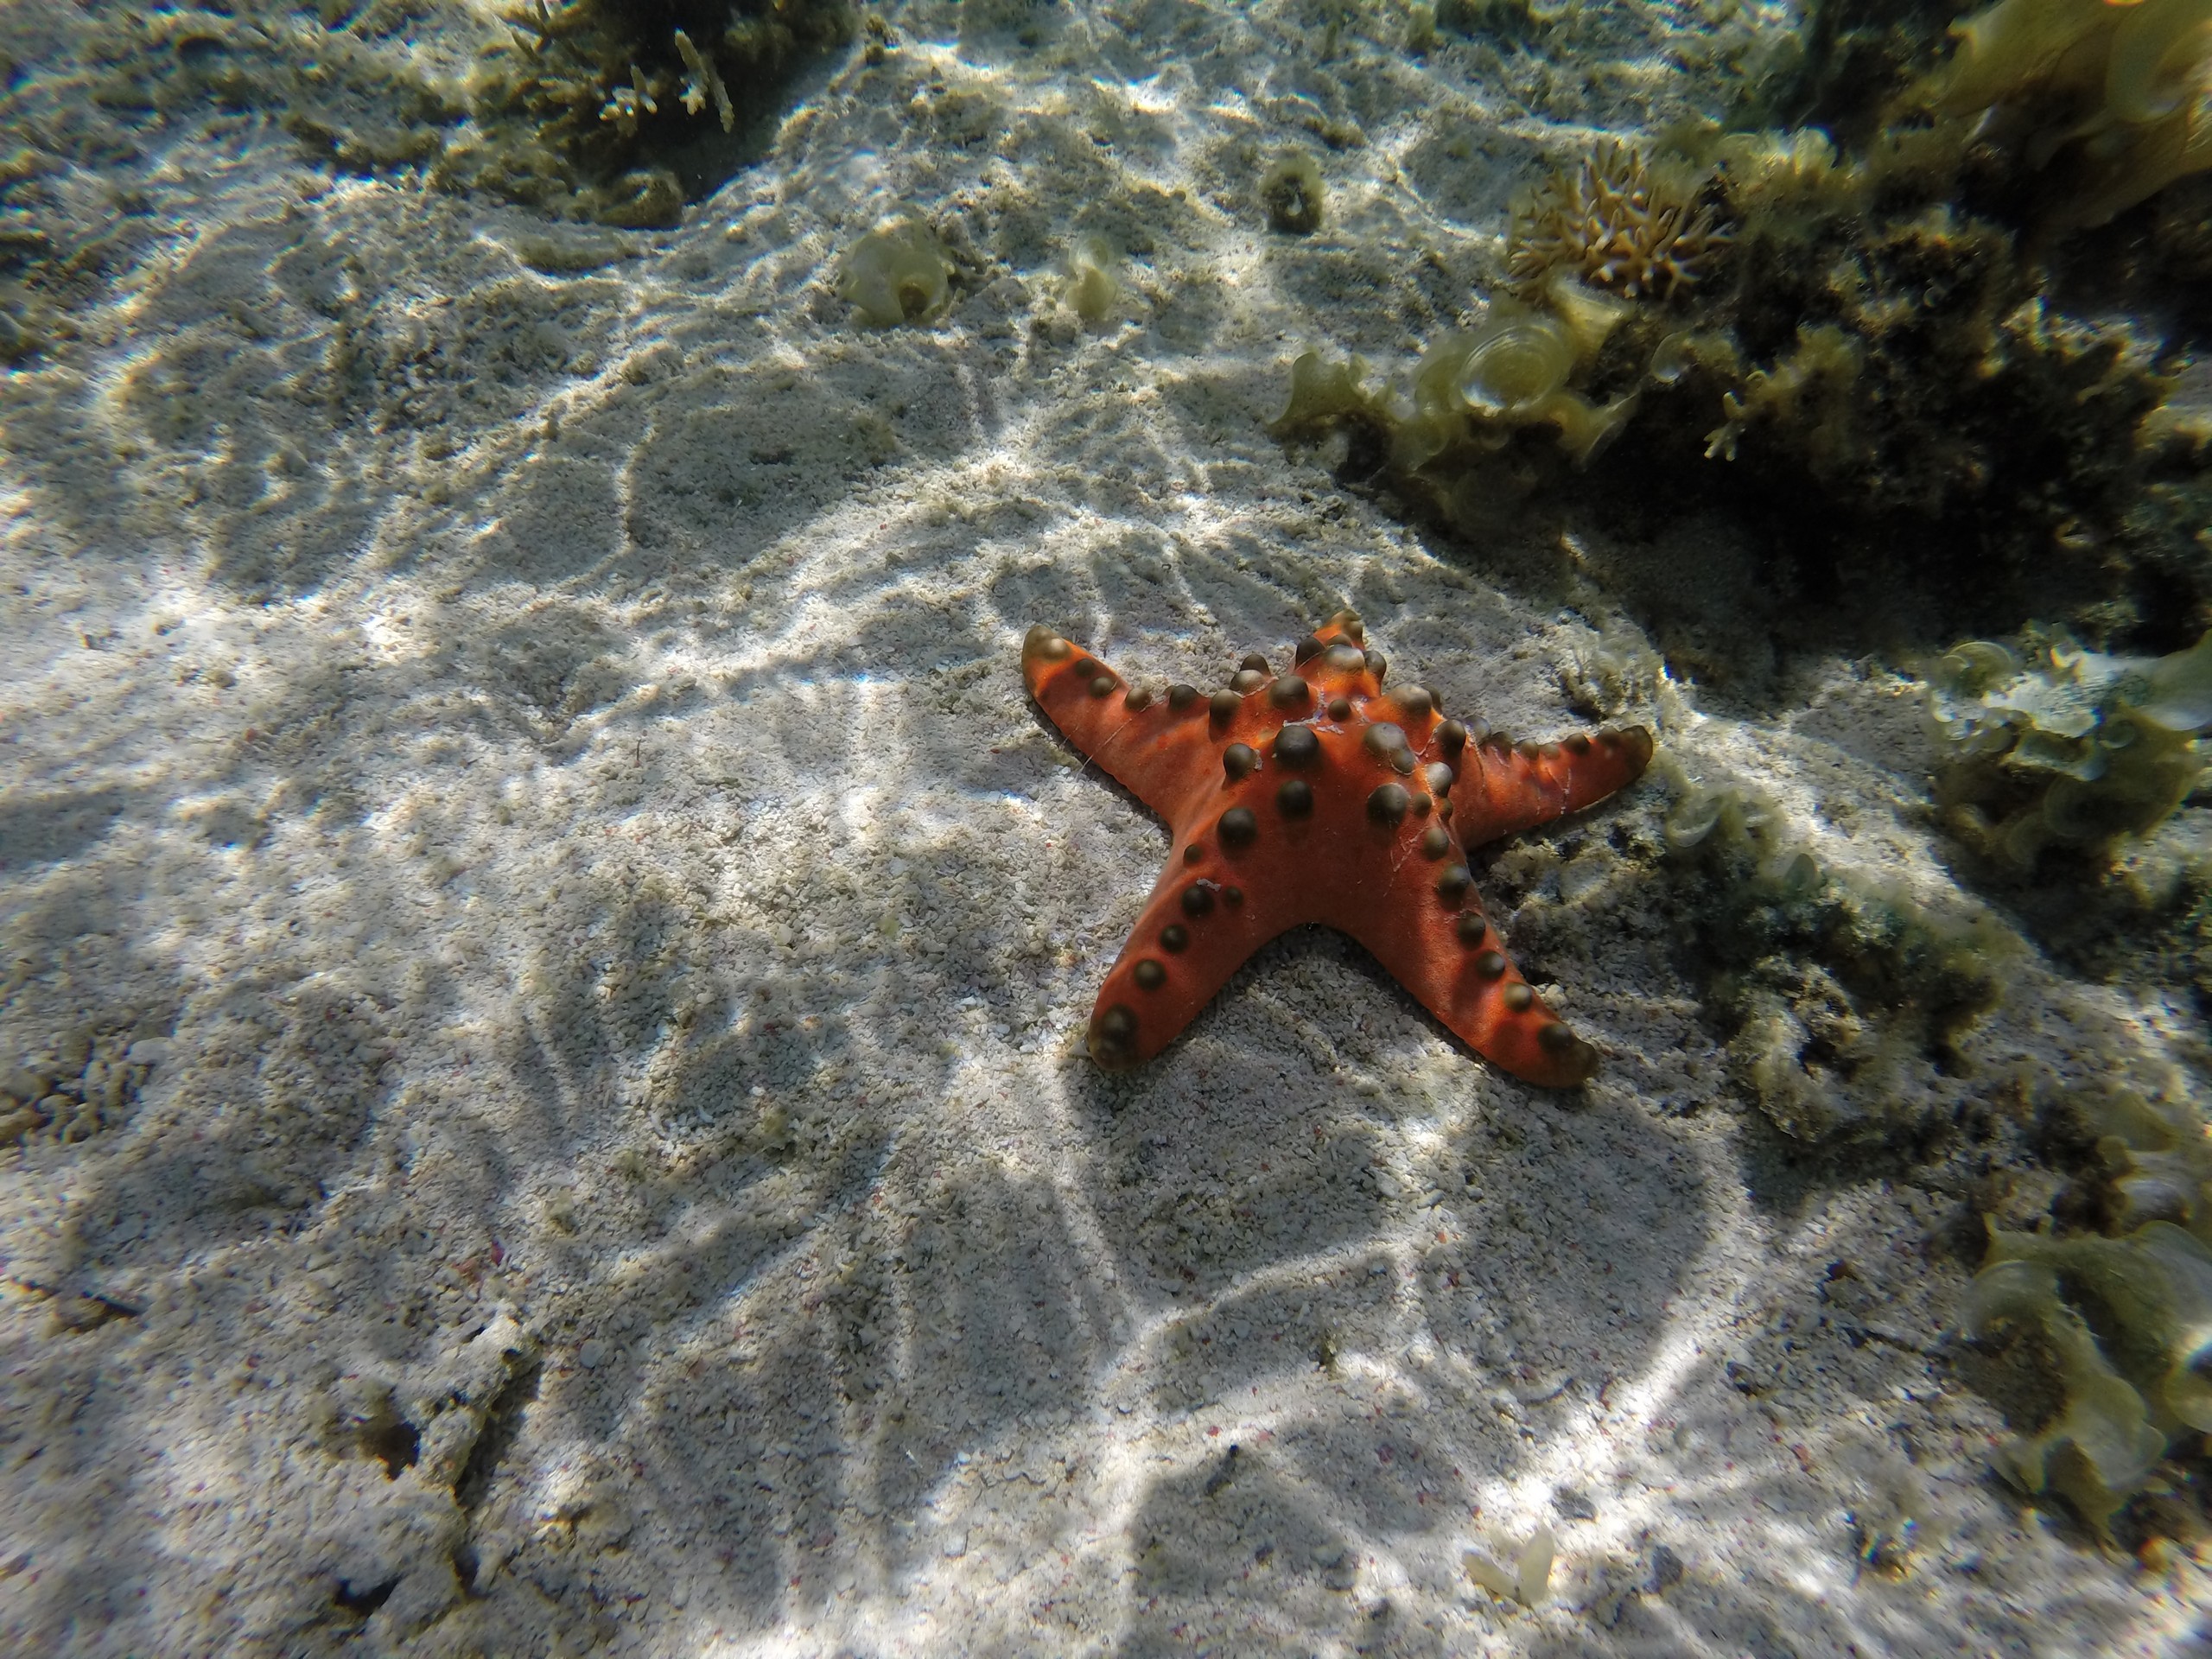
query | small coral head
[1617, 226]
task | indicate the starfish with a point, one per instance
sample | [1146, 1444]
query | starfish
[1316, 796]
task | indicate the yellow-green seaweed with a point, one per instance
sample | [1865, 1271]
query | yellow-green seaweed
[2063, 747]
[1843, 993]
[2099, 1447]
[1092, 268]
[2124, 1316]
[899, 273]
[1458, 432]
[1292, 194]
[2116, 97]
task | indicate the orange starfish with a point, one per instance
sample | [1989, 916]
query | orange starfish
[1315, 797]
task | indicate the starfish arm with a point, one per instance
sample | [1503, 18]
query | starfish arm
[1504, 788]
[1455, 965]
[1198, 929]
[1154, 746]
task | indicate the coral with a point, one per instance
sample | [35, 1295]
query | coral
[2118, 1320]
[2067, 748]
[1522, 1573]
[1845, 996]
[78, 1084]
[1291, 194]
[2111, 101]
[1315, 796]
[1617, 224]
[898, 272]
[703, 81]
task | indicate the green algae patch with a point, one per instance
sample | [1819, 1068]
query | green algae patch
[2062, 748]
[1844, 998]
[898, 272]
[1091, 272]
[2110, 100]
[1486, 416]
[1292, 194]
[2114, 1324]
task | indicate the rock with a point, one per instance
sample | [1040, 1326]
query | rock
[25, 1085]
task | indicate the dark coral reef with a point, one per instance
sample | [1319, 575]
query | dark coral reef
[1888, 363]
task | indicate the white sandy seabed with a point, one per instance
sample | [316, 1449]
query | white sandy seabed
[522, 820]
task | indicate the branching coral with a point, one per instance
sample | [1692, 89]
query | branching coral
[1618, 225]
[2118, 92]
[2070, 748]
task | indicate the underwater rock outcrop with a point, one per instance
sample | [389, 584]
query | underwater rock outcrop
[1883, 352]
[614, 110]
[2066, 748]
[1829, 345]
[598, 107]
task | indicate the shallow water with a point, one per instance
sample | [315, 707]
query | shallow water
[547, 952]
